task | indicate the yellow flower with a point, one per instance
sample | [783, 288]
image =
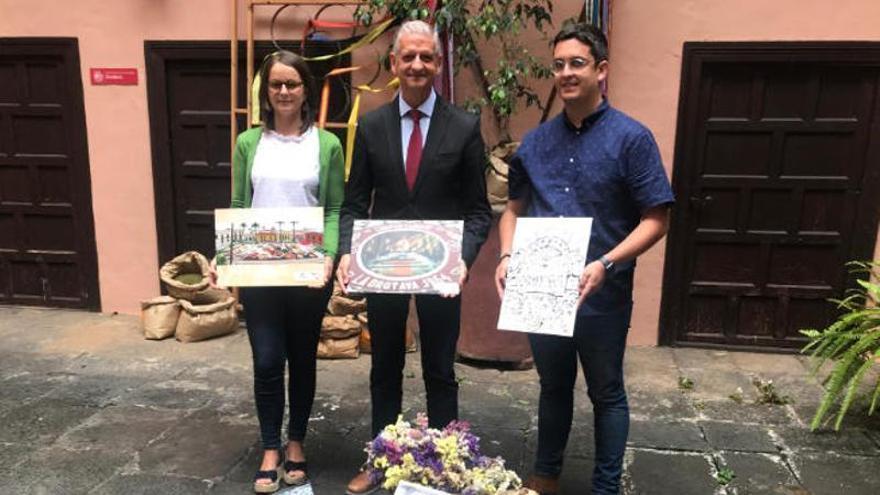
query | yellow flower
[448, 449]
[393, 476]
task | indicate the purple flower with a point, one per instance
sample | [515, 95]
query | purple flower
[376, 476]
[377, 445]
[420, 442]
[473, 444]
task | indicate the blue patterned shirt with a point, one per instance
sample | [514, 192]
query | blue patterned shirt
[608, 169]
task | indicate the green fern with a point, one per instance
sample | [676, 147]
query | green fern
[852, 342]
[876, 394]
[851, 391]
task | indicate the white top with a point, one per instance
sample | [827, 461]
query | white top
[406, 123]
[286, 170]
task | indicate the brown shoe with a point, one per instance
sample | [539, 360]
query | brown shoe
[361, 484]
[544, 485]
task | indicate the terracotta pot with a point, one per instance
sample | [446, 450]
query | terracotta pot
[480, 339]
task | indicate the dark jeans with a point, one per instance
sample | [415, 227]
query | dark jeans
[599, 341]
[439, 320]
[284, 324]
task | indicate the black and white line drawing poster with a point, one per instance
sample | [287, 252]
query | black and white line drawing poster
[546, 262]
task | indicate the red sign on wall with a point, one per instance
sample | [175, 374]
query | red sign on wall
[119, 77]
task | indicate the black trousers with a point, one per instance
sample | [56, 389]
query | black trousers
[283, 325]
[439, 320]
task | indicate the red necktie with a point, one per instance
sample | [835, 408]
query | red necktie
[414, 149]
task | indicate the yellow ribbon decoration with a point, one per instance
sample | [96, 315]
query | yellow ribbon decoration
[353, 118]
[366, 40]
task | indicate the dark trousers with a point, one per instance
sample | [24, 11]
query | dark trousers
[599, 341]
[284, 324]
[439, 320]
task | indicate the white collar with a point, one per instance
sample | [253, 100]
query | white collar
[427, 106]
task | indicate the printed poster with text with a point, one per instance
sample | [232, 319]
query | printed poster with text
[406, 256]
[266, 247]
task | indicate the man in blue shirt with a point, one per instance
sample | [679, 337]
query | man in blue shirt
[590, 161]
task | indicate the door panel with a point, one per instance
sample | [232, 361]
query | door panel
[188, 86]
[198, 103]
[776, 164]
[47, 242]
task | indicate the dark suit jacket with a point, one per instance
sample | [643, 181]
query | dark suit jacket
[450, 185]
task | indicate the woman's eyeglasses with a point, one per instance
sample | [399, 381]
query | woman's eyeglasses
[290, 84]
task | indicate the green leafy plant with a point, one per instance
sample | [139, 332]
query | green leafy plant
[685, 383]
[852, 342]
[737, 396]
[494, 25]
[767, 393]
[724, 476]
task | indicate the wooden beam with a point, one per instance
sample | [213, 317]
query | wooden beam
[250, 60]
[233, 78]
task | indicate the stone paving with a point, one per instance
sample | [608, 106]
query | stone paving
[89, 407]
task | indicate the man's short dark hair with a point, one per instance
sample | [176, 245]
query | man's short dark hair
[587, 34]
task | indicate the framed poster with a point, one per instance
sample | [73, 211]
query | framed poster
[269, 246]
[406, 256]
[546, 263]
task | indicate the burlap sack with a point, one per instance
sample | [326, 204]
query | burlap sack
[339, 327]
[496, 176]
[210, 296]
[343, 306]
[337, 291]
[411, 345]
[200, 322]
[186, 275]
[159, 317]
[366, 345]
[338, 348]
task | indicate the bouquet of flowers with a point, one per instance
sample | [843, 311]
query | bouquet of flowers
[447, 459]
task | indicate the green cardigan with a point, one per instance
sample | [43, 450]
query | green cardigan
[331, 179]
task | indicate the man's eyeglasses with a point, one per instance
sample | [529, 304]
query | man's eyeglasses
[290, 84]
[575, 64]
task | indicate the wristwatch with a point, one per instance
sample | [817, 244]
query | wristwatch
[608, 264]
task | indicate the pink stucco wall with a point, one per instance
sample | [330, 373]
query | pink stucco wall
[112, 34]
[646, 43]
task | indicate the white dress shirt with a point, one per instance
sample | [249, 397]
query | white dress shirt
[406, 123]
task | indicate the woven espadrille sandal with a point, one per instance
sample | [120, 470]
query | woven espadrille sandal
[270, 474]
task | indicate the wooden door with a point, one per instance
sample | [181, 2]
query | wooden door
[188, 86]
[776, 175]
[47, 236]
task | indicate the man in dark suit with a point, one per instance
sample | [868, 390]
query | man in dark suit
[416, 158]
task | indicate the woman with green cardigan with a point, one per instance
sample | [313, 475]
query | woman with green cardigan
[287, 162]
